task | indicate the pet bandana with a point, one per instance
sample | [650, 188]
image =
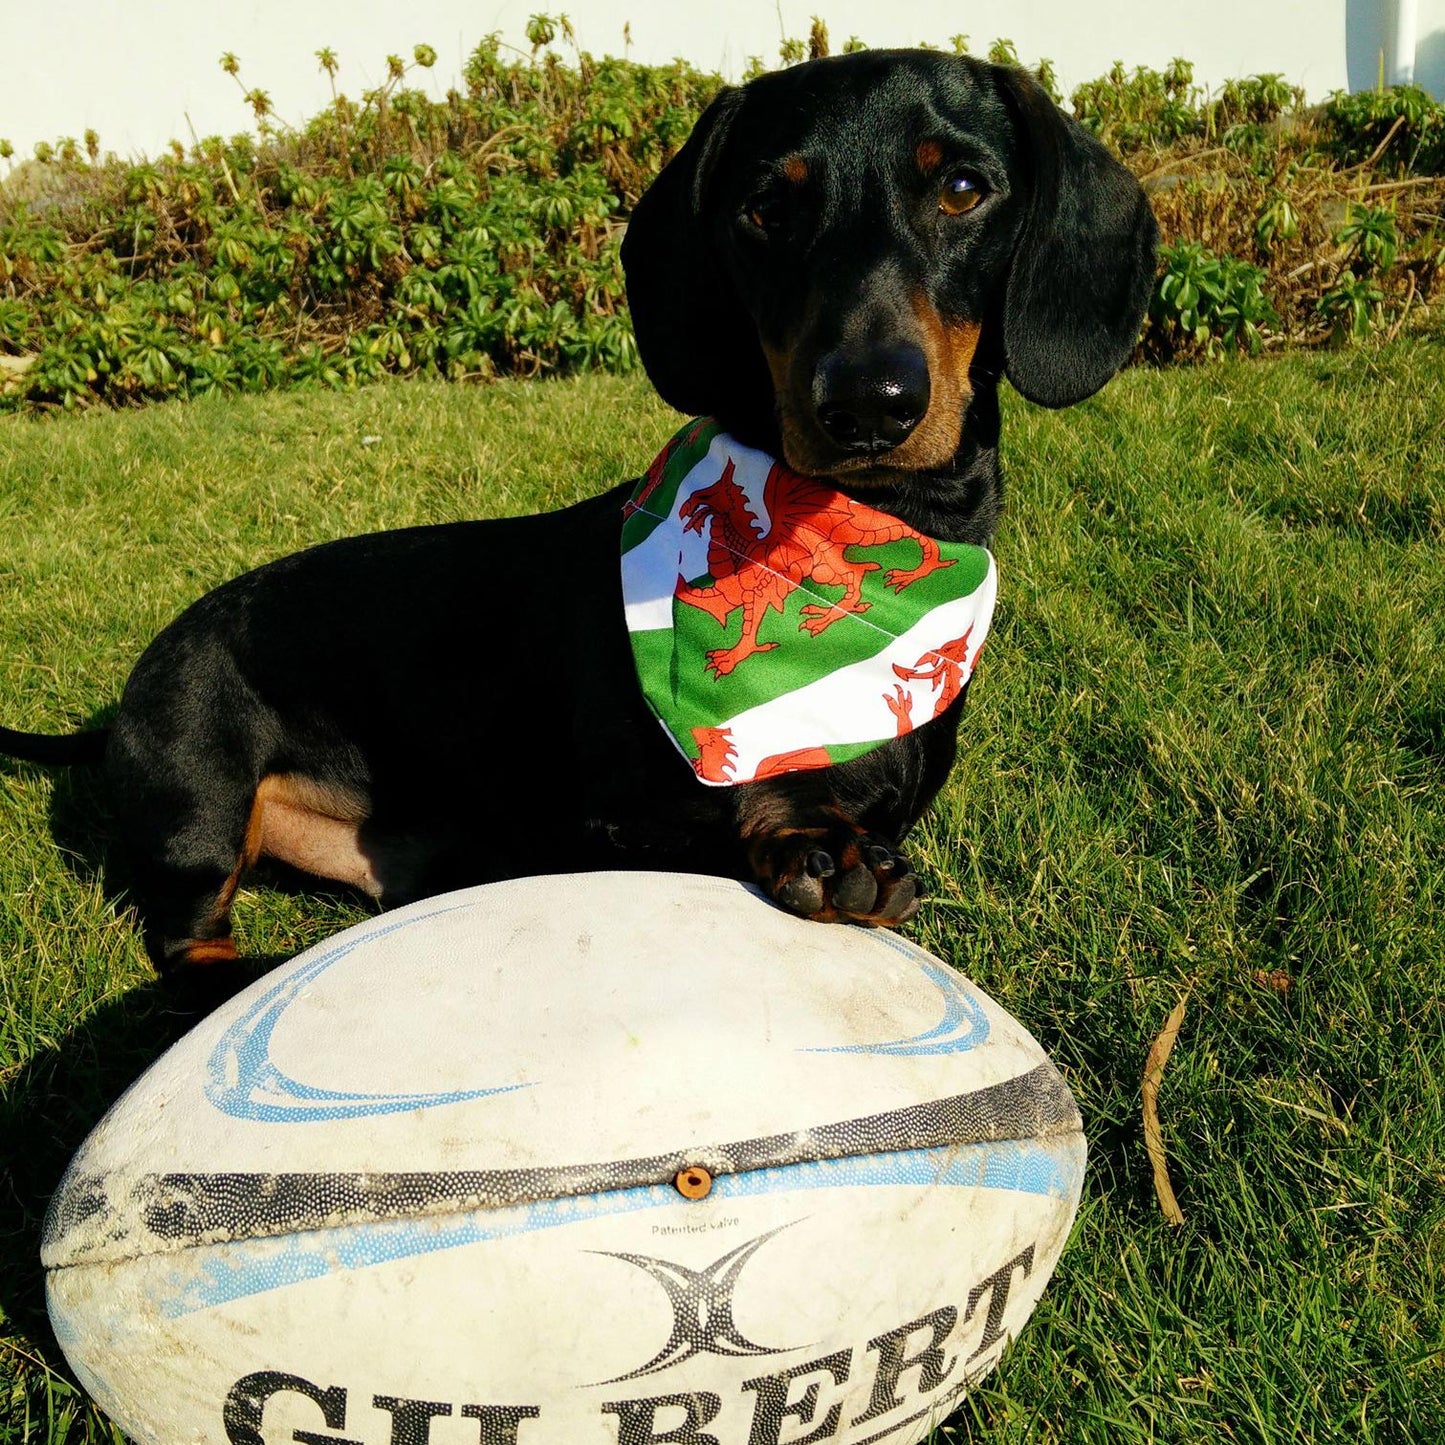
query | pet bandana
[777, 624]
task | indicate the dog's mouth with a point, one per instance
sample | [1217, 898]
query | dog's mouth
[929, 446]
[877, 477]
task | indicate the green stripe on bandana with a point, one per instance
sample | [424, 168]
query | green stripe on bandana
[778, 624]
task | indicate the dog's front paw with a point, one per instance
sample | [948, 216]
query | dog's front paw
[837, 874]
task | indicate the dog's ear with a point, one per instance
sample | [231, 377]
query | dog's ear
[693, 333]
[1083, 264]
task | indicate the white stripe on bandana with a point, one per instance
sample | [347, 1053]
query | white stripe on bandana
[778, 624]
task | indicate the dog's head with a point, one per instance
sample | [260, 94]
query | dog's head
[843, 249]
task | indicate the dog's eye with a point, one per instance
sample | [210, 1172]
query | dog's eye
[961, 192]
[764, 214]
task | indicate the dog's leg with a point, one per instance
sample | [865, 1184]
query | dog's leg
[187, 820]
[189, 869]
[185, 881]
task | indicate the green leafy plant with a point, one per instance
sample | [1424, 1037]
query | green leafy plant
[16, 321]
[1206, 304]
[1278, 221]
[477, 234]
[1255, 101]
[1370, 235]
[1048, 77]
[1352, 308]
[467, 237]
[1143, 108]
[1402, 127]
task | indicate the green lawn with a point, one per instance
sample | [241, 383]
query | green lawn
[1202, 760]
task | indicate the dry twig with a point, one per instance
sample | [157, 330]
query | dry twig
[1159, 1052]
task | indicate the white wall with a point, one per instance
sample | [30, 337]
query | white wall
[1430, 48]
[142, 71]
[1370, 33]
[1323, 45]
[1226, 39]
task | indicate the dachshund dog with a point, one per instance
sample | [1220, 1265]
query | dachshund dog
[838, 267]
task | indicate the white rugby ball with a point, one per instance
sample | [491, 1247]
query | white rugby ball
[427, 1184]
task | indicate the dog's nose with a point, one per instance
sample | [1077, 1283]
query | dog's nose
[871, 403]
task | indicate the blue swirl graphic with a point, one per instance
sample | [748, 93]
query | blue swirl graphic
[964, 1025]
[242, 1081]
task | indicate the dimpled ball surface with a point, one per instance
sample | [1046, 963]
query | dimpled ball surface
[422, 1185]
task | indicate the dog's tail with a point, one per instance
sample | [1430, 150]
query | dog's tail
[52, 751]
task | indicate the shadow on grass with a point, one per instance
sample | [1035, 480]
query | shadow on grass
[47, 1107]
[51, 1102]
[82, 823]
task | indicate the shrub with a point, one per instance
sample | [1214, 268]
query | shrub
[1206, 303]
[465, 237]
[477, 234]
[1401, 128]
[1145, 108]
[1352, 308]
[1258, 101]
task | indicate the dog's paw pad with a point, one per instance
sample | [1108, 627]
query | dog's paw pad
[803, 894]
[856, 891]
[837, 874]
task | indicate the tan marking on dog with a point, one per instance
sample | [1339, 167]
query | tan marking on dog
[770, 815]
[250, 848]
[778, 366]
[207, 950]
[929, 156]
[311, 826]
[948, 350]
[797, 445]
[795, 169]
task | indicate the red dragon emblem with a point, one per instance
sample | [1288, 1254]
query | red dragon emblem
[811, 527]
[716, 757]
[942, 669]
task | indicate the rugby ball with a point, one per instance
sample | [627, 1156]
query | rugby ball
[621, 1158]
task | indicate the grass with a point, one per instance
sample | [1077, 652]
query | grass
[1202, 761]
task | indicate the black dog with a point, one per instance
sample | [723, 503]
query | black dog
[839, 265]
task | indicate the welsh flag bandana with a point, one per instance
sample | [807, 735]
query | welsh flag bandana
[777, 624]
